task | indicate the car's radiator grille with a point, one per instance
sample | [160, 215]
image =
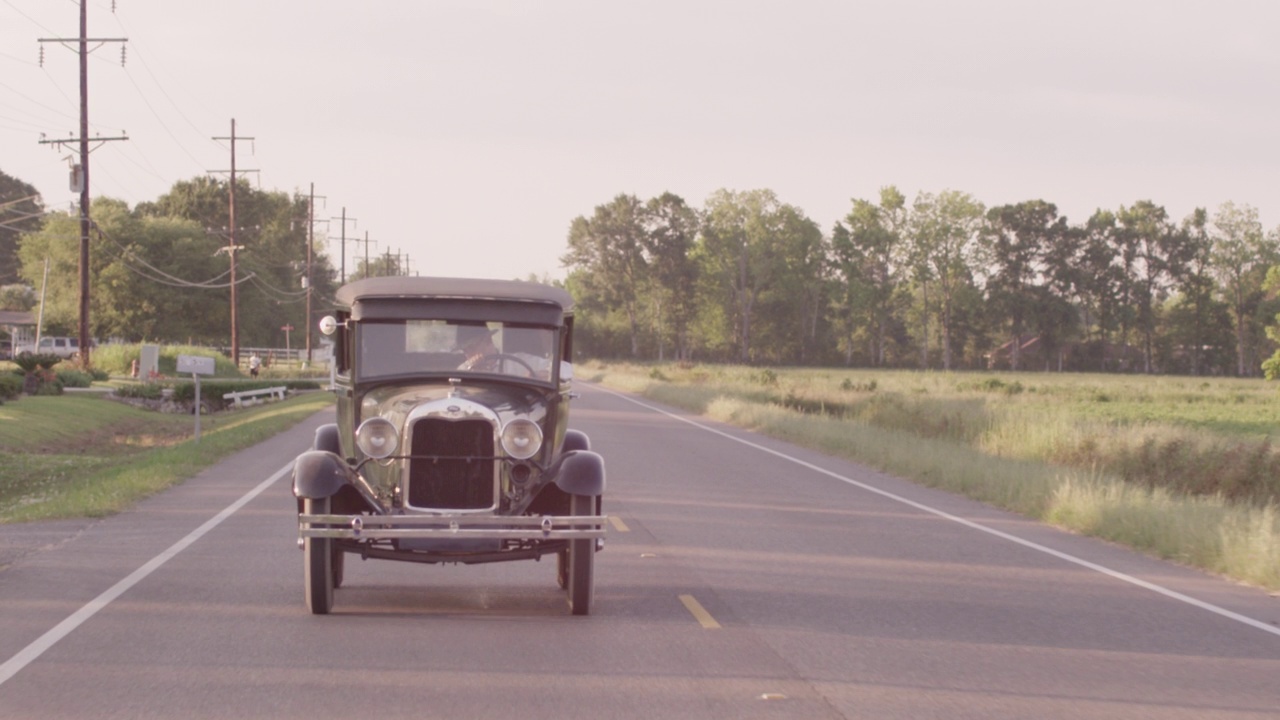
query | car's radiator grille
[452, 484]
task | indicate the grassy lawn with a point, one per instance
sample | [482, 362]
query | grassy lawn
[85, 456]
[1181, 468]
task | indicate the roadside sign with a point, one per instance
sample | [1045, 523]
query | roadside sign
[195, 364]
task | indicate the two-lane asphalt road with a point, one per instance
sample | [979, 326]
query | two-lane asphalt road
[742, 578]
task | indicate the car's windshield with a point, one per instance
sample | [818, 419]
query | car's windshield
[416, 346]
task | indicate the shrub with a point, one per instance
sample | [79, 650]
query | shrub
[30, 361]
[10, 386]
[211, 392]
[993, 385]
[38, 377]
[77, 364]
[144, 391]
[851, 386]
[74, 378]
[118, 359]
[49, 384]
[765, 377]
[1271, 366]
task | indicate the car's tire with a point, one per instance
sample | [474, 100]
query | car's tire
[339, 563]
[317, 561]
[562, 569]
[582, 560]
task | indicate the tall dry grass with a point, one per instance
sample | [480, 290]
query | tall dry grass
[1184, 469]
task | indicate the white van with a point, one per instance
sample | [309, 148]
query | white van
[63, 347]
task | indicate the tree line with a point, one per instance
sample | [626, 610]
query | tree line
[937, 282]
[160, 271]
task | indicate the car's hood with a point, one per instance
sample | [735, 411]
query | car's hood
[395, 403]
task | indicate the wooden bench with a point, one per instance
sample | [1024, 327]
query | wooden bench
[254, 396]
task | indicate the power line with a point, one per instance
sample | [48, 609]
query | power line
[172, 280]
[37, 103]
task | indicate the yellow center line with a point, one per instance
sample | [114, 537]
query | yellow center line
[699, 613]
[617, 524]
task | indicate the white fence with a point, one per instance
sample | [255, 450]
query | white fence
[282, 357]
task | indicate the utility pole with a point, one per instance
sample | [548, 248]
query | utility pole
[232, 247]
[368, 271]
[344, 220]
[81, 174]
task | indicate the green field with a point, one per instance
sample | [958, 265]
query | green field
[82, 455]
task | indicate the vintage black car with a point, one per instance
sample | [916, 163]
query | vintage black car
[452, 442]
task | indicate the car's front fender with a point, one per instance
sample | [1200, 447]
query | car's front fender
[576, 440]
[580, 472]
[327, 439]
[320, 474]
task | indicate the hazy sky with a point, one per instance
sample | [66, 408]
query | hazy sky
[469, 133]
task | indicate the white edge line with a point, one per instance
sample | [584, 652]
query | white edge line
[37, 648]
[1251, 622]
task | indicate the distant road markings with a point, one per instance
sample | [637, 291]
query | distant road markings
[37, 648]
[1066, 557]
[617, 524]
[699, 613]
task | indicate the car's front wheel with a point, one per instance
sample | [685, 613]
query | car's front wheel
[582, 560]
[318, 563]
[562, 569]
[338, 564]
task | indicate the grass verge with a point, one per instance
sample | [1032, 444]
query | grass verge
[1236, 539]
[79, 456]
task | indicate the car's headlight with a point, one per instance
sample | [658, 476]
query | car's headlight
[522, 439]
[377, 438]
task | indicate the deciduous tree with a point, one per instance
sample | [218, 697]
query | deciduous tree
[866, 257]
[1155, 249]
[21, 210]
[944, 239]
[609, 247]
[671, 229]
[1019, 238]
[747, 238]
[1240, 257]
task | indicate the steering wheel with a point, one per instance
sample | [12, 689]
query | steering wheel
[486, 359]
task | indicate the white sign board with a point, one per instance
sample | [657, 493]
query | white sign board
[195, 364]
[149, 363]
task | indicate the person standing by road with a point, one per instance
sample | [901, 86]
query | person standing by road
[255, 362]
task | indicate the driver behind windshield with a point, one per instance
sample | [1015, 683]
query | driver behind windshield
[476, 344]
[525, 352]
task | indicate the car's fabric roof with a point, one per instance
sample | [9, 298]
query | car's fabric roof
[452, 288]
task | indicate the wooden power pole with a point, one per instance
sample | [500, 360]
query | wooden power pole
[344, 220]
[232, 247]
[80, 173]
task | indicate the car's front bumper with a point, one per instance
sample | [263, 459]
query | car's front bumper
[457, 526]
